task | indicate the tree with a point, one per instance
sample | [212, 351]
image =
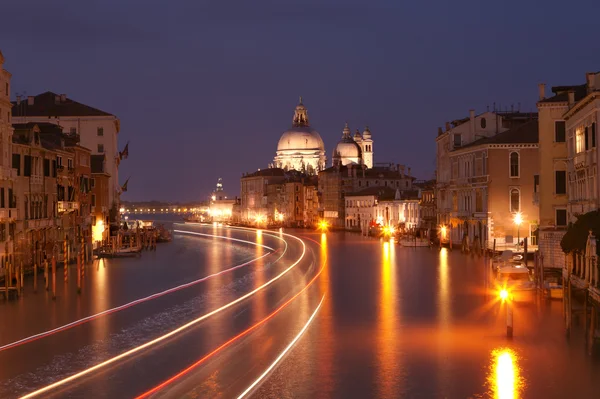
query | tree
[576, 236]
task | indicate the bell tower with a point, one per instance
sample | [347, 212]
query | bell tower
[367, 148]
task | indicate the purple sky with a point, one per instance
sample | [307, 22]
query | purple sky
[205, 88]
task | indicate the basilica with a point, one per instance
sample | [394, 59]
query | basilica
[301, 147]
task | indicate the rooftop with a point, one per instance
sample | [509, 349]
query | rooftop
[52, 104]
[527, 133]
[561, 93]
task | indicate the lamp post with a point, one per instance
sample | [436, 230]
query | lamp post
[518, 220]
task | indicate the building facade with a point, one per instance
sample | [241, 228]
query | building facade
[582, 126]
[357, 150]
[553, 188]
[98, 130]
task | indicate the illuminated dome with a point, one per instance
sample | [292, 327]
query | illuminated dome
[347, 151]
[301, 147]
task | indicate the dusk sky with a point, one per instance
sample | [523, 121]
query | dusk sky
[204, 89]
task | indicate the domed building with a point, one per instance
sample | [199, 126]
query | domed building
[347, 151]
[301, 148]
[357, 150]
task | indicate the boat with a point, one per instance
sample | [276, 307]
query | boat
[108, 252]
[517, 281]
[162, 234]
[414, 242]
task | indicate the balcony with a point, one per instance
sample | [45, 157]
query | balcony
[67, 206]
[36, 179]
[586, 158]
[8, 173]
[8, 213]
[35, 224]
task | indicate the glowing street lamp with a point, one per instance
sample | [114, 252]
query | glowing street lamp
[388, 231]
[518, 220]
[323, 225]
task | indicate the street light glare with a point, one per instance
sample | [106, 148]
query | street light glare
[503, 294]
[518, 218]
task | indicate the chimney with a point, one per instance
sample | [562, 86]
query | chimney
[590, 77]
[440, 131]
[30, 100]
[571, 98]
[18, 100]
[401, 169]
[447, 126]
[472, 120]
[408, 172]
[542, 90]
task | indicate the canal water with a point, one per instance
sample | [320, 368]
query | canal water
[418, 323]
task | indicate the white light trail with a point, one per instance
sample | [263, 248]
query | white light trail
[169, 334]
[282, 354]
[225, 237]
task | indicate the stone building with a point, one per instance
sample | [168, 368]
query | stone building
[339, 180]
[98, 130]
[301, 147]
[253, 193]
[357, 150]
[582, 168]
[8, 205]
[552, 192]
[100, 185]
[493, 180]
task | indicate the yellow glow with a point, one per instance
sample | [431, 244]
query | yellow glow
[214, 198]
[323, 225]
[444, 232]
[122, 210]
[518, 218]
[505, 377]
[388, 230]
[503, 294]
[98, 231]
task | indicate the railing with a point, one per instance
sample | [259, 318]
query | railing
[38, 223]
[8, 213]
[67, 206]
[36, 179]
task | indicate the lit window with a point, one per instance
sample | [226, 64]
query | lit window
[514, 164]
[579, 141]
[515, 200]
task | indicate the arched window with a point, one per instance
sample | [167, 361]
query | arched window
[514, 164]
[483, 123]
[515, 200]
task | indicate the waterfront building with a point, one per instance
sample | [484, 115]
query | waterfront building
[98, 130]
[490, 195]
[100, 185]
[462, 177]
[357, 150]
[8, 205]
[582, 125]
[301, 147]
[311, 203]
[553, 187]
[339, 180]
[221, 206]
[253, 193]
[427, 204]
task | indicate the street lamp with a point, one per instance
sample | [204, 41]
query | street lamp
[518, 221]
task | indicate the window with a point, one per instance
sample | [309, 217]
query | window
[478, 200]
[47, 167]
[100, 131]
[586, 138]
[594, 135]
[70, 163]
[92, 183]
[559, 132]
[457, 140]
[93, 199]
[12, 201]
[560, 182]
[2, 203]
[515, 200]
[579, 144]
[536, 183]
[483, 123]
[27, 165]
[514, 164]
[561, 217]
[16, 163]
[73, 130]
[59, 161]
[100, 147]
[454, 201]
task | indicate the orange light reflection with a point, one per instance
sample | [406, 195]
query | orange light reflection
[505, 376]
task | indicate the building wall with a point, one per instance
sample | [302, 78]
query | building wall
[502, 226]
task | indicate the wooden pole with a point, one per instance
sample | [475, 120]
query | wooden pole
[78, 274]
[568, 319]
[590, 340]
[525, 250]
[6, 279]
[494, 248]
[585, 309]
[509, 319]
[53, 277]
[46, 276]
[22, 280]
[35, 271]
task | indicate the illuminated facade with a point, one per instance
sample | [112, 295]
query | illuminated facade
[582, 130]
[357, 150]
[221, 206]
[301, 147]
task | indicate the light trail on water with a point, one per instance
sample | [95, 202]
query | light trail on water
[185, 371]
[171, 333]
[283, 353]
[95, 316]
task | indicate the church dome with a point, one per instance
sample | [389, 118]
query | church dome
[300, 138]
[347, 151]
[300, 147]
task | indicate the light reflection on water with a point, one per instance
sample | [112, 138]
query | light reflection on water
[504, 377]
[387, 341]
